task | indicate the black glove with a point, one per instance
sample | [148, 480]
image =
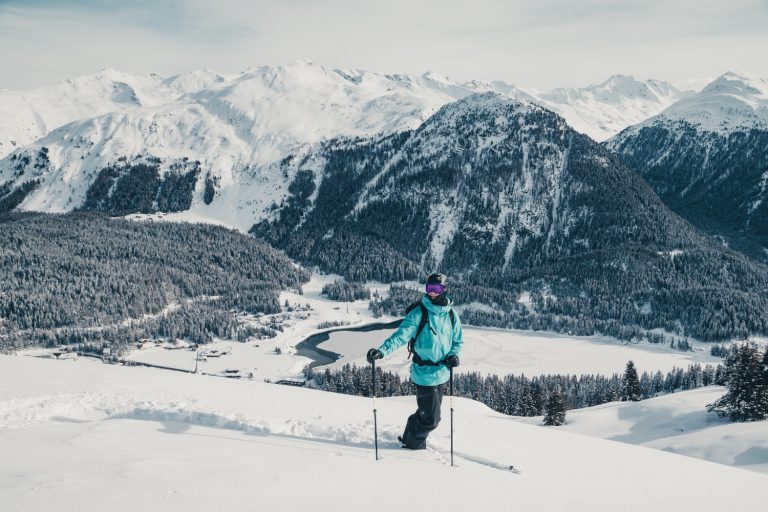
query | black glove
[373, 354]
[452, 361]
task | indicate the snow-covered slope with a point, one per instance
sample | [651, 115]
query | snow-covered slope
[237, 129]
[599, 111]
[84, 436]
[677, 423]
[706, 158]
[28, 115]
[732, 102]
[603, 110]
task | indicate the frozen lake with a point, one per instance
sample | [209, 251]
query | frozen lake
[524, 352]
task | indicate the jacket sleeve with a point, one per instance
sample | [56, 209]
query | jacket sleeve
[404, 332]
[457, 340]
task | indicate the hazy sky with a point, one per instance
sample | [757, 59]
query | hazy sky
[531, 43]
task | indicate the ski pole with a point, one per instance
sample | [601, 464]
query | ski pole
[373, 392]
[451, 400]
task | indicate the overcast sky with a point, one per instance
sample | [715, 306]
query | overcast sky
[531, 43]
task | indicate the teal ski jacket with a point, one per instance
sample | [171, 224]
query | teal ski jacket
[437, 340]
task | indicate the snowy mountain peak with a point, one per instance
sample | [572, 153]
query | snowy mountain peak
[605, 109]
[29, 115]
[623, 83]
[194, 81]
[614, 90]
[489, 116]
[104, 74]
[486, 103]
[737, 84]
[437, 78]
[731, 102]
[299, 74]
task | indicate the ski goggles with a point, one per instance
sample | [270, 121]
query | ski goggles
[435, 288]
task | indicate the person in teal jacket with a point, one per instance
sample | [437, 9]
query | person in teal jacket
[436, 350]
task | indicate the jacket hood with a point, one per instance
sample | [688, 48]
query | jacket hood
[435, 309]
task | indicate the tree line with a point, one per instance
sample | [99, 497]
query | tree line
[83, 276]
[346, 291]
[521, 395]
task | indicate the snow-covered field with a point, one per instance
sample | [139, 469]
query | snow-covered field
[531, 353]
[79, 435]
[258, 356]
[485, 350]
[676, 423]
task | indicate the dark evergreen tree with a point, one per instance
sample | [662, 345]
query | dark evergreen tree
[630, 384]
[555, 415]
[747, 396]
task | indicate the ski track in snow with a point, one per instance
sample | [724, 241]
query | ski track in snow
[44, 410]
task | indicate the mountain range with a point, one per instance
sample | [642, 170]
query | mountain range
[503, 195]
[384, 176]
[239, 126]
[707, 158]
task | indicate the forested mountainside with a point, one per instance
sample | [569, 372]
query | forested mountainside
[83, 277]
[528, 215]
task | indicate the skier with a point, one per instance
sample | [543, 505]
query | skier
[434, 329]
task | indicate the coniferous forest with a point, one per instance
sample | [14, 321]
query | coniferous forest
[521, 395]
[85, 277]
[561, 221]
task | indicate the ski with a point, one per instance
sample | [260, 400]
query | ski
[489, 463]
[443, 457]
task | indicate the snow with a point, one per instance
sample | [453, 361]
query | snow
[676, 423]
[29, 115]
[83, 435]
[486, 350]
[239, 126]
[672, 254]
[503, 352]
[732, 102]
[444, 220]
[509, 251]
[601, 111]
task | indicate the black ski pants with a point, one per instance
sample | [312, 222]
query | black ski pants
[425, 419]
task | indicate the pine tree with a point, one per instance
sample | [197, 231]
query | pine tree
[630, 384]
[555, 415]
[760, 394]
[747, 395]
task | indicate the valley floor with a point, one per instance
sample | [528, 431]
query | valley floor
[79, 435]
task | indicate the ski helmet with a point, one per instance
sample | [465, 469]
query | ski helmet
[440, 279]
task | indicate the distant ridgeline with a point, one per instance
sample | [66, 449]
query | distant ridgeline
[548, 228]
[83, 278]
[525, 215]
